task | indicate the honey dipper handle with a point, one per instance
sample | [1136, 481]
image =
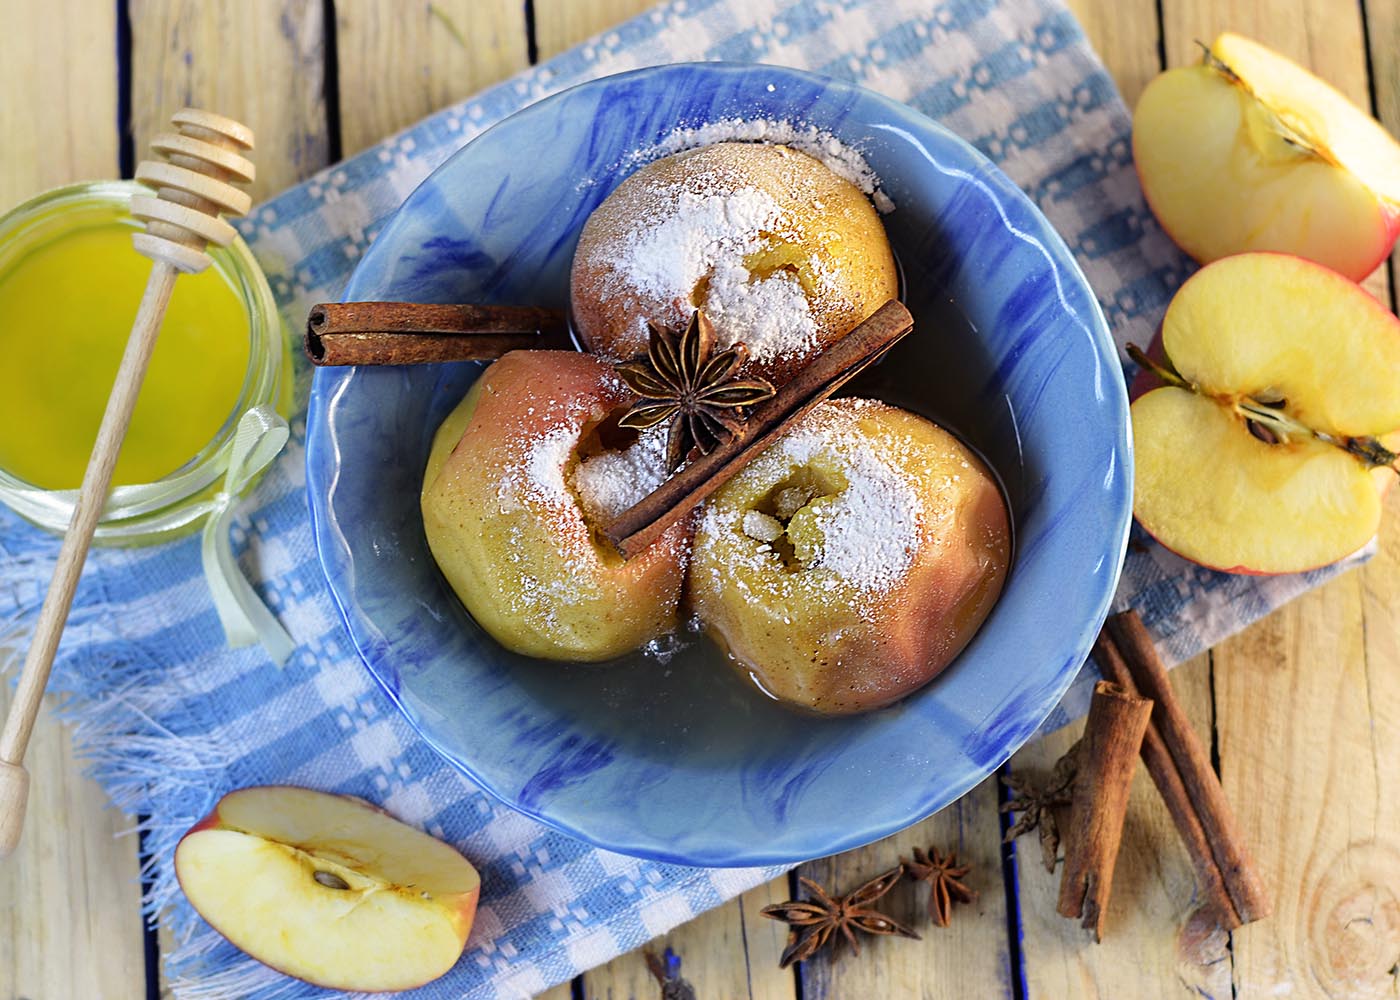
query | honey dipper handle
[92, 496]
[193, 184]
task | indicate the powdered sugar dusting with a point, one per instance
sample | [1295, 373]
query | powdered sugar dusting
[610, 482]
[706, 239]
[861, 537]
[543, 477]
[839, 158]
[772, 316]
[866, 533]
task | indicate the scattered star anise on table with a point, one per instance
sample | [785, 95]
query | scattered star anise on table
[944, 877]
[816, 921]
[685, 384]
[1037, 805]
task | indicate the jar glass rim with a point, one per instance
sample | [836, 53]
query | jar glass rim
[139, 510]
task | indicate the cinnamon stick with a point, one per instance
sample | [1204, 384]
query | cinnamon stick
[640, 525]
[414, 333]
[1192, 761]
[1180, 767]
[1108, 757]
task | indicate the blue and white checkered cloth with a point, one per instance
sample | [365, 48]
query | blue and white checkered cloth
[171, 719]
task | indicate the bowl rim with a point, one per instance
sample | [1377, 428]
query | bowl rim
[327, 382]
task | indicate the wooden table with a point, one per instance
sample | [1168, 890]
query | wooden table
[1303, 708]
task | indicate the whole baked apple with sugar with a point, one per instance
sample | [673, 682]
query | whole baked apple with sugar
[852, 560]
[779, 251]
[520, 479]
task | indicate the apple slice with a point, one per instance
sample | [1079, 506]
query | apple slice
[1249, 151]
[328, 888]
[1258, 454]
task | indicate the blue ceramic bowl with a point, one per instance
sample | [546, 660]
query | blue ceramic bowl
[684, 762]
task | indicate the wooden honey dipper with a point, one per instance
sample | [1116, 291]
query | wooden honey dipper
[193, 186]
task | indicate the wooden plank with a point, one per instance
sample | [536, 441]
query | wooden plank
[399, 63]
[729, 951]
[1308, 700]
[261, 62]
[59, 80]
[71, 923]
[1310, 767]
[1153, 893]
[562, 24]
[1383, 32]
[1125, 36]
[969, 958]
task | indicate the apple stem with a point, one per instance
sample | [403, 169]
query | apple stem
[1165, 372]
[1373, 453]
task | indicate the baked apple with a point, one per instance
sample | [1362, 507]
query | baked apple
[850, 562]
[520, 479]
[779, 251]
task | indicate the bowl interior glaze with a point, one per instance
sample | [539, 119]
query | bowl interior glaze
[684, 761]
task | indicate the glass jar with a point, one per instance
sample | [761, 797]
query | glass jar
[174, 504]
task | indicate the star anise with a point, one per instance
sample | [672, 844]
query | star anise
[943, 875]
[816, 921]
[684, 383]
[1037, 805]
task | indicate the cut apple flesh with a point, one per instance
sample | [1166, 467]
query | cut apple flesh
[1244, 466]
[1274, 327]
[1265, 156]
[329, 889]
[1211, 491]
[1316, 112]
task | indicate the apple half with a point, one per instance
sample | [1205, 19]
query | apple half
[1249, 151]
[328, 888]
[1258, 455]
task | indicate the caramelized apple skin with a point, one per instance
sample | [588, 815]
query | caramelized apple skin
[510, 535]
[824, 643]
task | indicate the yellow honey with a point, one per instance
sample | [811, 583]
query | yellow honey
[66, 305]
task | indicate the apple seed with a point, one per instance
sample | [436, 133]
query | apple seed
[331, 880]
[1261, 432]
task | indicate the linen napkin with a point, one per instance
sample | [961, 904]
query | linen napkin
[170, 719]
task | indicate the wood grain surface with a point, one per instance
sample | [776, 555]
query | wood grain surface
[400, 62]
[261, 62]
[70, 923]
[1303, 709]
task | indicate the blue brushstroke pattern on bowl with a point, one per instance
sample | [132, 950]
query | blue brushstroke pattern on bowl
[685, 761]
